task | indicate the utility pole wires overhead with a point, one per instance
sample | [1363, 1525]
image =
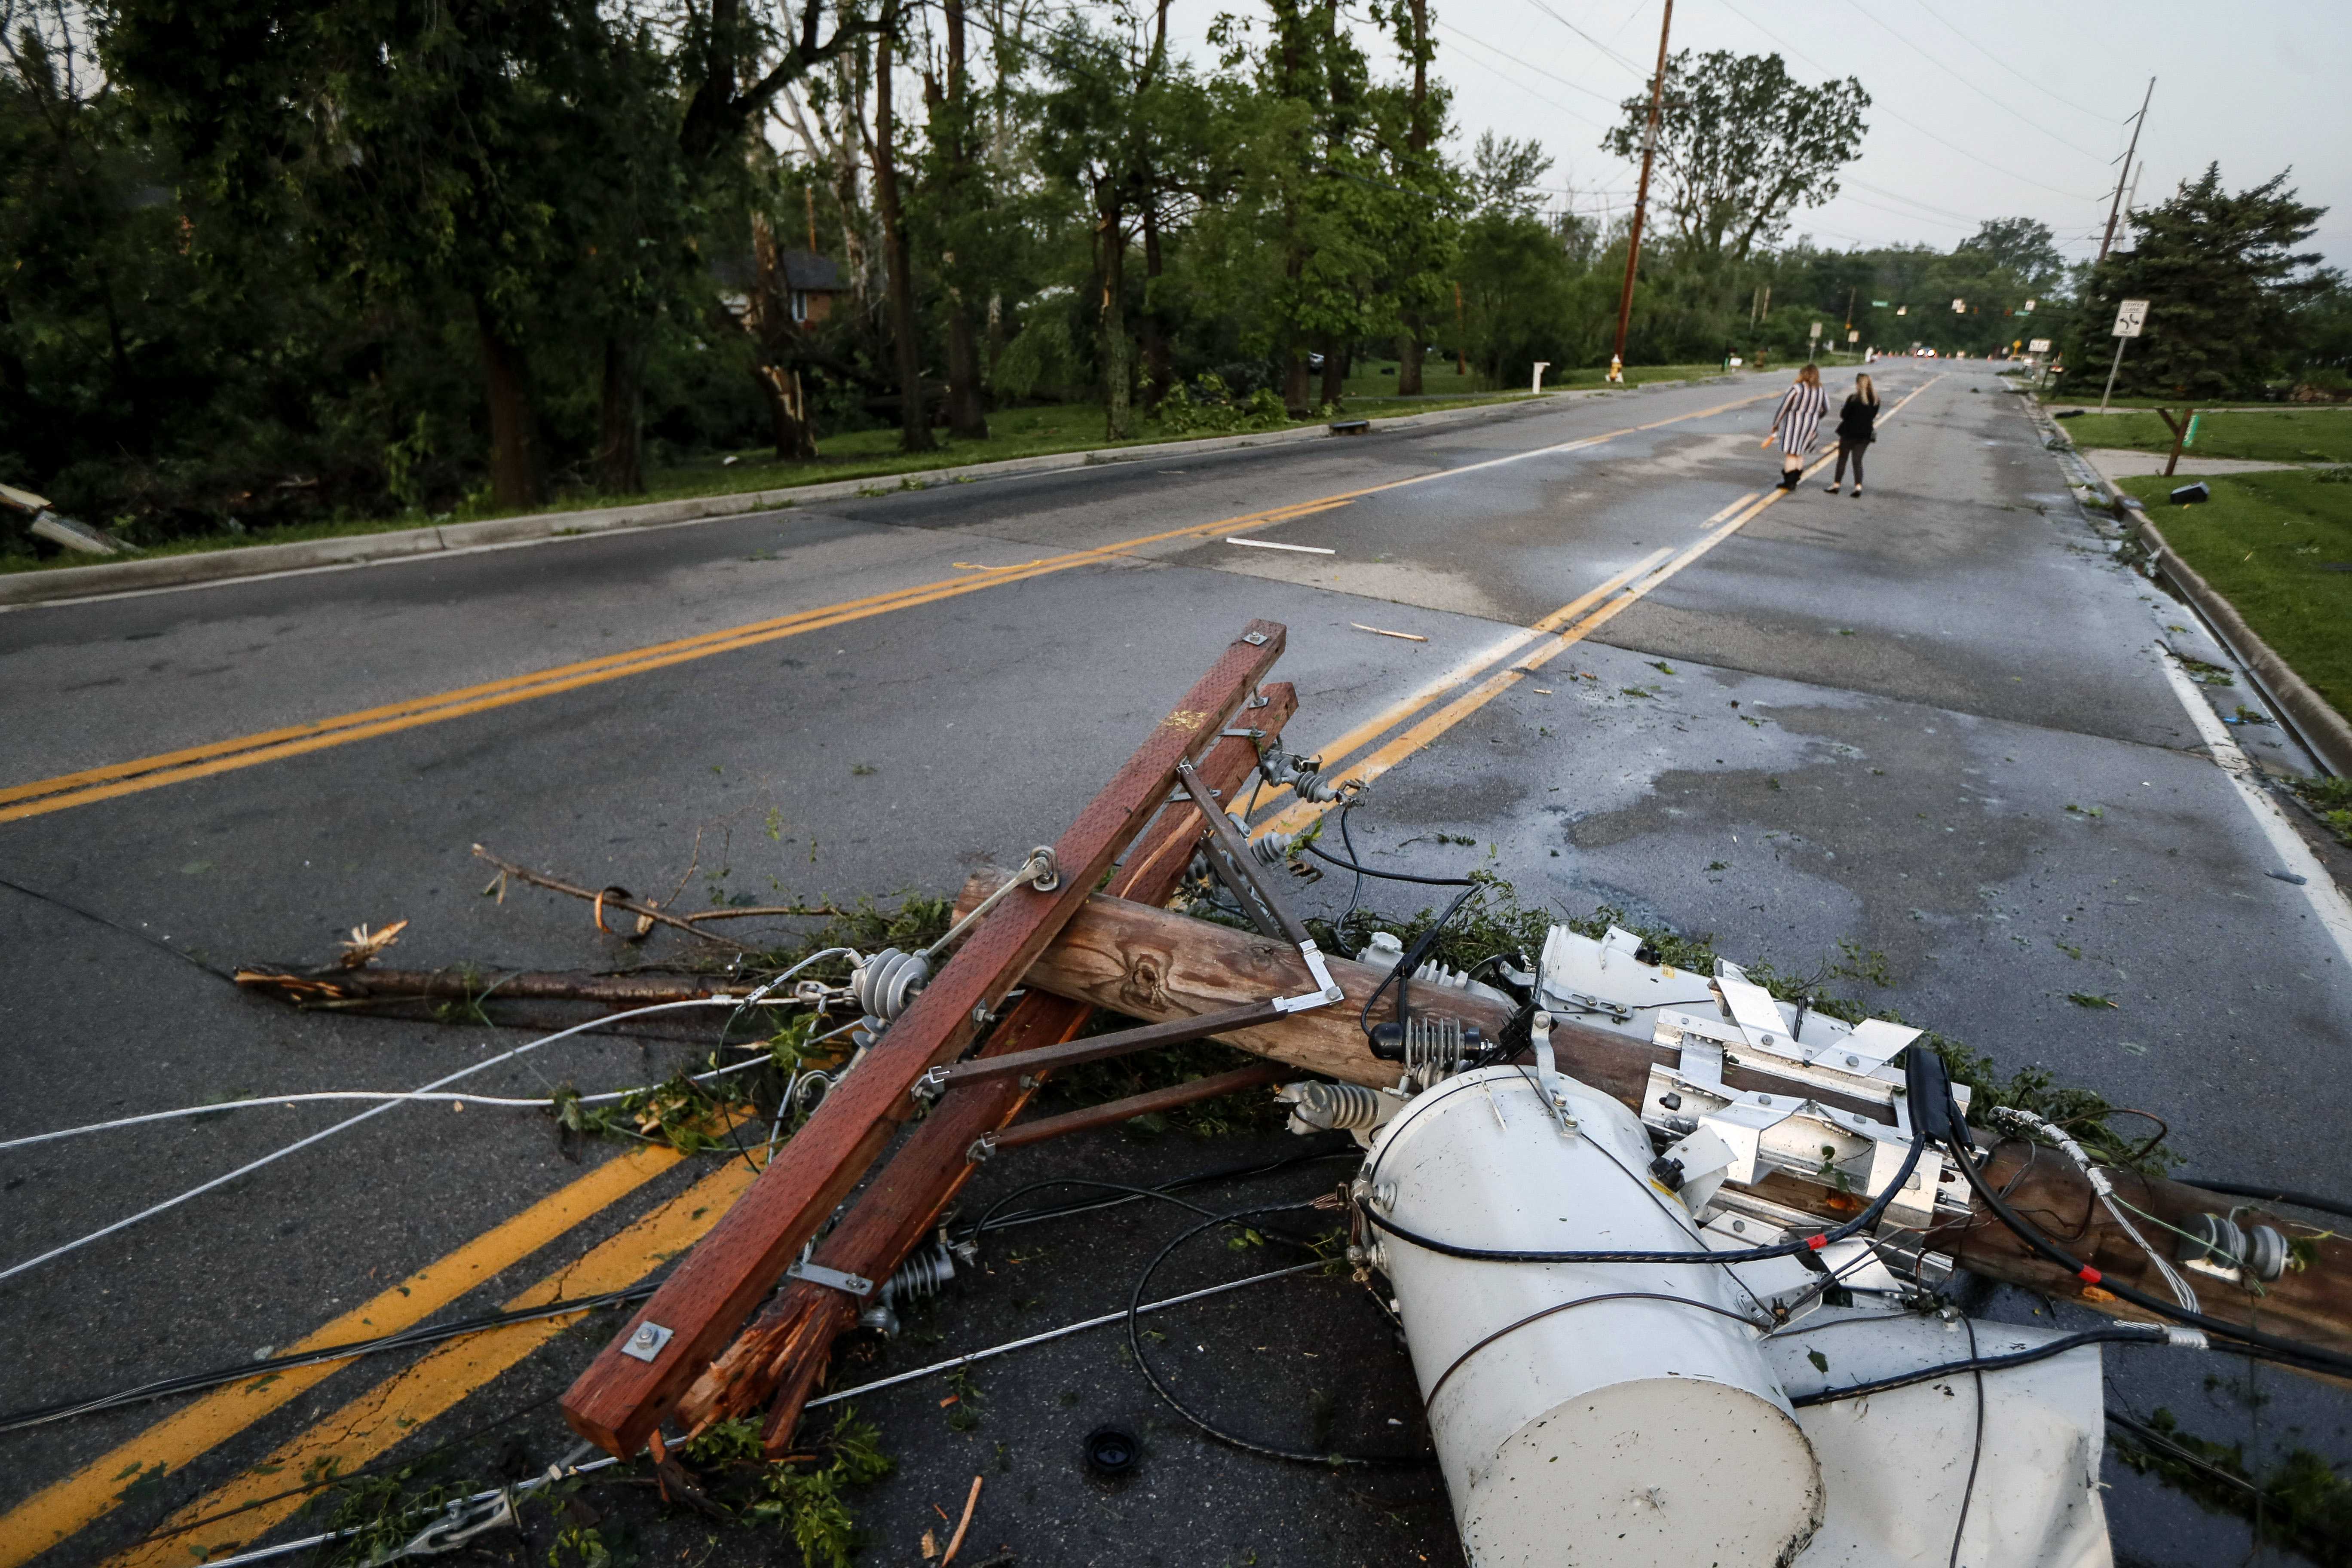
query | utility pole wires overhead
[1641, 191]
[2124, 173]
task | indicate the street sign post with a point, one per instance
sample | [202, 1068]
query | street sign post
[1815, 335]
[2130, 317]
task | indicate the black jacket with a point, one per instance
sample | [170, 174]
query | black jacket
[1855, 421]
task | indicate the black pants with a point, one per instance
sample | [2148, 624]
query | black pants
[1853, 449]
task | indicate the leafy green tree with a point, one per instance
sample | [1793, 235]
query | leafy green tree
[1741, 148]
[2222, 279]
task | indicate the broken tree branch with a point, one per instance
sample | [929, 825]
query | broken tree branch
[606, 897]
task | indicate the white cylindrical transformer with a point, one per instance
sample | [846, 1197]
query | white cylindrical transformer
[1627, 1431]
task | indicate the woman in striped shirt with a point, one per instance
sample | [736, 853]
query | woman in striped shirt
[1798, 422]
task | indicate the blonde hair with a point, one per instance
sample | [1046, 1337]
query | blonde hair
[1864, 390]
[1810, 377]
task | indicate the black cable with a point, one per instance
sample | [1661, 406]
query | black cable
[111, 924]
[1925, 1071]
[2291, 1352]
[1208, 1428]
[1321, 1149]
[1976, 1452]
[1414, 955]
[2270, 1194]
[1356, 892]
[1540, 1313]
[2120, 1333]
[1386, 875]
[407, 1339]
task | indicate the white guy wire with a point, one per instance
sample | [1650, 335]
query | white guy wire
[348, 1122]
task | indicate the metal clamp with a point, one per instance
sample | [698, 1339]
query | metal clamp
[833, 1278]
[930, 1086]
[448, 1533]
[1328, 989]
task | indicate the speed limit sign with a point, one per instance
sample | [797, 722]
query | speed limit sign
[2130, 317]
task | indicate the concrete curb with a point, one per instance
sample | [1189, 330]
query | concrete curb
[25, 588]
[2321, 727]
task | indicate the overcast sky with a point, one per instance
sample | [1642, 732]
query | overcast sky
[1980, 108]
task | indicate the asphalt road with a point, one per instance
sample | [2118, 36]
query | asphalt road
[1925, 729]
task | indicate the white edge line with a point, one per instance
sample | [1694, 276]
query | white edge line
[2326, 899]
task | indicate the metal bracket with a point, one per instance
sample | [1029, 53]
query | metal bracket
[448, 1534]
[833, 1278]
[930, 1086]
[982, 1148]
[647, 1343]
[1256, 639]
[1327, 990]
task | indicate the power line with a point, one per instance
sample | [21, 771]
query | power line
[1889, 30]
[1589, 38]
[2048, 92]
[1996, 168]
[1563, 81]
[1523, 86]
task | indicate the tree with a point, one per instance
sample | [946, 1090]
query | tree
[2022, 246]
[914, 425]
[415, 149]
[1742, 147]
[2222, 279]
[959, 212]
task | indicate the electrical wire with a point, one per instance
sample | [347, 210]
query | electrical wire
[407, 1339]
[2106, 1189]
[1216, 1173]
[1914, 125]
[2006, 109]
[346, 1124]
[1429, 1403]
[2119, 1333]
[2270, 1194]
[1202, 1423]
[1350, 864]
[2247, 1340]
[264, 1102]
[1976, 1449]
[115, 925]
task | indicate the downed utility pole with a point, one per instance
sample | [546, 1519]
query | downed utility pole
[780, 1357]
[625, 1392]
[1153, 965]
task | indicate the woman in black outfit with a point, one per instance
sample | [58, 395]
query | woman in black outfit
[1855, 432]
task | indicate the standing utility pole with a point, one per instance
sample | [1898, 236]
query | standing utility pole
[1642, 195]
[2116, 206]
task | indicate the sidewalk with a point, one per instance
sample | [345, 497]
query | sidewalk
[2120, 462]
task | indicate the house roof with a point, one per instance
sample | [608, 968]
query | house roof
[806, 269]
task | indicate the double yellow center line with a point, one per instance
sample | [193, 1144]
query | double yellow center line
[1486, 676]
[92, 785]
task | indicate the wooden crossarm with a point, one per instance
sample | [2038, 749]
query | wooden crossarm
[620, 1399]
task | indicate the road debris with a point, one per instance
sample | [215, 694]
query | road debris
[1270, 544]
[1378, 632]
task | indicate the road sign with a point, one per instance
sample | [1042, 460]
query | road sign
[1879, 304]
[1959, 307]
[1853, 337]
[1816, 331]
[2038, 346]
[2028, 306]
[2130, 317]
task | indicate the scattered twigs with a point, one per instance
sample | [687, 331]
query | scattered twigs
[611, 897]
[955, 1541]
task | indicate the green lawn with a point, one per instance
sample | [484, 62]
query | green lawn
[1373, 378]
[2289, 436]
[2278, 547]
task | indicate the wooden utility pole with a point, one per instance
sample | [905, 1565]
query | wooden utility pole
[2124, 173]
[1641, 194]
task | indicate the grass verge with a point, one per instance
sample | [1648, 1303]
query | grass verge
[2278, 547]
[2289, 436]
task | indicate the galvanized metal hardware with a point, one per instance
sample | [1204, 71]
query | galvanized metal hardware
[453, 1530]
[1256, 639]
[832, 1278]
[647, 1343]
